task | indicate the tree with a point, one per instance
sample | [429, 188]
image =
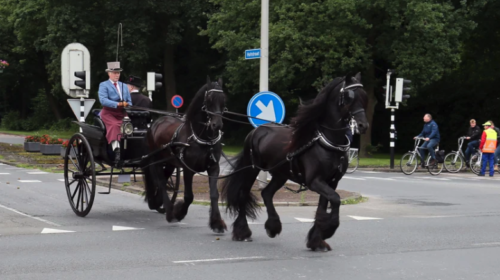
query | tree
[313, 41]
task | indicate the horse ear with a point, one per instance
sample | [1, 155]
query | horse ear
[348, 78]
[220, 82]
[358, 77]
[208, 80]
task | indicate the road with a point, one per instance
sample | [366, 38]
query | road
[412, 227]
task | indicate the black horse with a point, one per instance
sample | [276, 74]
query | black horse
[312, 152]
[201, 130]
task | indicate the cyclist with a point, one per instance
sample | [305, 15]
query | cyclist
[474, 137]
[432, 137]
[488, 146]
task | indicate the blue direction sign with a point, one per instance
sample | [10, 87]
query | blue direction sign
[266, 105]
[252, 54]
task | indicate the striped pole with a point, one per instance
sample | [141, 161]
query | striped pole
[82, 111]
[393, 129]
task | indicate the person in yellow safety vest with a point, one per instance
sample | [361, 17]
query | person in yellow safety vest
[488, 146]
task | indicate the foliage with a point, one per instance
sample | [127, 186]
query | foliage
[32, 138]
[3, 64]
[11, 121]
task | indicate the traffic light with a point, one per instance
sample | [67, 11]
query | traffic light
[154, 81]
[80, 83]
[401, 88]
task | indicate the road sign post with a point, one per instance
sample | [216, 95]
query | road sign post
[252, 54]
[177, 102]
[267, 106]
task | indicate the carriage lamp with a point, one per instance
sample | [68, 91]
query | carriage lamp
[127, 128]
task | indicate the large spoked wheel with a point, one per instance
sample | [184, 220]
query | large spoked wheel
[173, 183]
[79, 175]
[409, 163]
[453, 162]
[475, 163]
[436, 168]
[353, 161]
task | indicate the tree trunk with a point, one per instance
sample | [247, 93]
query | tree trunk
[169, 79]
[366, 139]
[47, 86]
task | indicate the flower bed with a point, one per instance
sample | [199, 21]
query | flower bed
[50, 146]
[32, 143]
[64, 146]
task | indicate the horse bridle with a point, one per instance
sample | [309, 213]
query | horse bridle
[351, 96]
[204, 107]
[196, 138]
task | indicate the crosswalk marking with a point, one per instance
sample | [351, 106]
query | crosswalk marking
[359, 218]
[38, 173]
[51, 230]
[353, 178]
[120, 228]
[304, 220]
[4, 173]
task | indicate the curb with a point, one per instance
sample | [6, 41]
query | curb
[139, 191]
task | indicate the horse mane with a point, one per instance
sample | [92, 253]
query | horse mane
[195, 105]
[308, 115]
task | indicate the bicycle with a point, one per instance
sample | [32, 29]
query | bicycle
[454, 161]
[411, 160]
[353, 161]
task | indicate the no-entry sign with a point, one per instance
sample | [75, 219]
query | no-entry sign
[177, 101]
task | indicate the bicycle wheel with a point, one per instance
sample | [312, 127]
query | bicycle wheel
[453, 162]
[353, 163]
[475, 163]
[436, 168]
[409, 163]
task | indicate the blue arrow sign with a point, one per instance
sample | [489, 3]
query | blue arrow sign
[266, 105]
[252, 54]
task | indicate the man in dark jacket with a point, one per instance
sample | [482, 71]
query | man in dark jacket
[474, 137]
[134, 84]
[432, 137]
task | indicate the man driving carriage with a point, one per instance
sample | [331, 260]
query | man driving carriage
[114, 97]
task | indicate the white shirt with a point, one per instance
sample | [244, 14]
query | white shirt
[119, 89]
[135, 90]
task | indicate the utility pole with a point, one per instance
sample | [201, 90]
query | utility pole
[264, 65]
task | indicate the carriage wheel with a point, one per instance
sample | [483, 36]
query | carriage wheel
[79, 175]
[173, 183]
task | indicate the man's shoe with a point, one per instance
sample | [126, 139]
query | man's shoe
[432, 162]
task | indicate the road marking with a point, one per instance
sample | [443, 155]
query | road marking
[487, 244]
[120, 228]
[30, 181]
[379, 178]
[38, 172]
[62, 180]
[255, 223]
[219, 260]
[353, 178]
[370, 172]
[434, 178]
[304, 220]
[26, 215]
[51, 230]
[359, 218]
[4, 173]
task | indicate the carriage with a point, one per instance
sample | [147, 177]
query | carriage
[89, 155]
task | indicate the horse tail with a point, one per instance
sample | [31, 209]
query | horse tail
[236, 190]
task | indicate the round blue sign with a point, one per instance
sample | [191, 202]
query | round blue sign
[177, 101]
[266, 105]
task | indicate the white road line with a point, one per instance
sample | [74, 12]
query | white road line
[219, 260]
[61, 180]
[379, 178]
[29, 216]
[359, 218]
[353, 178]
[38, 173]
[51, 230]
[434, 178]
[120, 228]
[304, 220]
[487, 244]
[30, 181]
[4, 173]
[370, 172]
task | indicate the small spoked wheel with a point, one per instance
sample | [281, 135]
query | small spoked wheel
[453, 162]
[436, 168]
[79, 175]
[409, 163]
[353, 162]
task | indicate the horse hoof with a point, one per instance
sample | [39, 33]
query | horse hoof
[218, 230]
[270, 234]
[249, 239]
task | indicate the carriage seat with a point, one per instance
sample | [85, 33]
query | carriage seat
[97, 119]
[140, 120]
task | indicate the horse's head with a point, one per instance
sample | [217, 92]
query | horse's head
[214, 104]
[353, 101]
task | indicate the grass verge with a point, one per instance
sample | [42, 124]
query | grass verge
[52, 133]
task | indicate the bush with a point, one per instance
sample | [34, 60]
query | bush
[12, 121]
[64, 125]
